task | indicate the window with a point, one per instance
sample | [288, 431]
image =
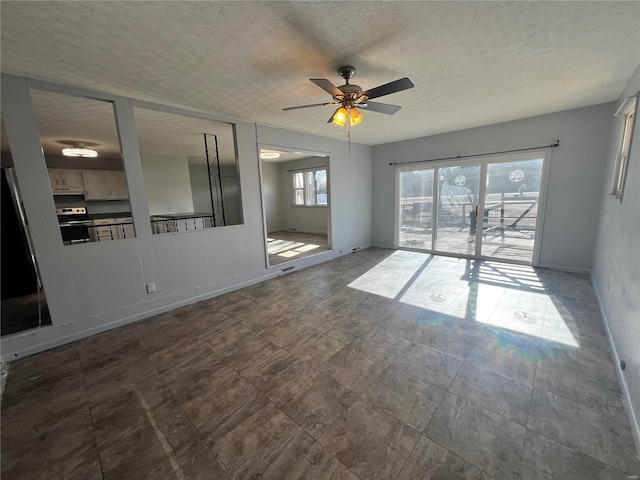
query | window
[310, 187]
[628, 113]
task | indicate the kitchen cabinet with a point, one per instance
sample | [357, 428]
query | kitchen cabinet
[116, 185]
[125, 230]
[105, 185]
[66, 181]
[103, 230]
[108, 229]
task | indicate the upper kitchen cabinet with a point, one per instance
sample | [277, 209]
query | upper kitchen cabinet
[66, 181]
[105, 185]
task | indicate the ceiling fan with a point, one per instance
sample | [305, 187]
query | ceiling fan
[351, 98]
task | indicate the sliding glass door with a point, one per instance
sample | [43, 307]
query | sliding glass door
[482, 209]
[511, 209]
[458, 187]
[416, 209]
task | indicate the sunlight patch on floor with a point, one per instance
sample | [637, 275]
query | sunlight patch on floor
[509, 297]
[390, 276]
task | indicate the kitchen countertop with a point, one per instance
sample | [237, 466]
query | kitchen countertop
[99, 216]
[181, 215]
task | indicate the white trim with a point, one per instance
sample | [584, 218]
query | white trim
[564, 268]
[626, 397]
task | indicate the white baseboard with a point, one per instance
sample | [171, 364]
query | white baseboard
[626, 398]
[564, 268]
[387, 247]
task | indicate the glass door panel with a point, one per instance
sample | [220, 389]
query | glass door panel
[416, 207]
[458, 187]
[511, 209]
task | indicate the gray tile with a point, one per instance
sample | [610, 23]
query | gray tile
[370, 449]
[174, 355]
[346, 331]
[408, 398]
[318, 407]
[282, 332]
[431, 365]
[493, 391]
[228, 402]
[481, 437]
[302, 458]
[66, 445]
[584, 386]
[352, 368]
[468, 326]
[545, 459]
[601, 433]
[447, 341]
[314, 348]
[506, 361]
[291, 383]
[385, 346]
[529, 344]
[264, 368]
[247, 448]
[430, 461]
[598, 361]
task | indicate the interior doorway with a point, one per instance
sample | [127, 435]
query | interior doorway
[296, 203]
[487, 208]
[24, 304]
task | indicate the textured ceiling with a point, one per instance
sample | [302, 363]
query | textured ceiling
[472, 63]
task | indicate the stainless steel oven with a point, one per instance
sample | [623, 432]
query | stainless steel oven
[74, 225]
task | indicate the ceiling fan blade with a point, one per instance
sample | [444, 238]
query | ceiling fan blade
[382, 107]
[308, 106]
[327, 86]
[388, 88]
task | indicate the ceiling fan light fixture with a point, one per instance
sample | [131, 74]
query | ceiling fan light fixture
[79, 150]
[340, 116]
[355, 116]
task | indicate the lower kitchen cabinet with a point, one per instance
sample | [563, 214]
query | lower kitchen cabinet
[108, 229]
[104, 230]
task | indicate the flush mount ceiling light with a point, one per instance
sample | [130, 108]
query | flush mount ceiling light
[269, 155]
[79, 150]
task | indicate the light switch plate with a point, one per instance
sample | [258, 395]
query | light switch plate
[151, 287]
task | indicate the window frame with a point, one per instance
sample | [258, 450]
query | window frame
[627, 125]
[309, 194]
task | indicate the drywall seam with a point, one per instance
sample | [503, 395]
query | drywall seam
[626, 397]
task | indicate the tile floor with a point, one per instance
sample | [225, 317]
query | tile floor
[284, 246]
[380, 364]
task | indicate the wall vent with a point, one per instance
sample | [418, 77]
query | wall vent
[355, 249]
[288, 269]
[292, 229]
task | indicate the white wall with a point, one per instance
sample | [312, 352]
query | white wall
[98, 286]
[271, 190]
[616, 272]
[167, 183]
[200, 190]
[575, 180]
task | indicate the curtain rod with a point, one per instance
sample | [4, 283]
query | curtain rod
[306, 168]
[553, 145]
